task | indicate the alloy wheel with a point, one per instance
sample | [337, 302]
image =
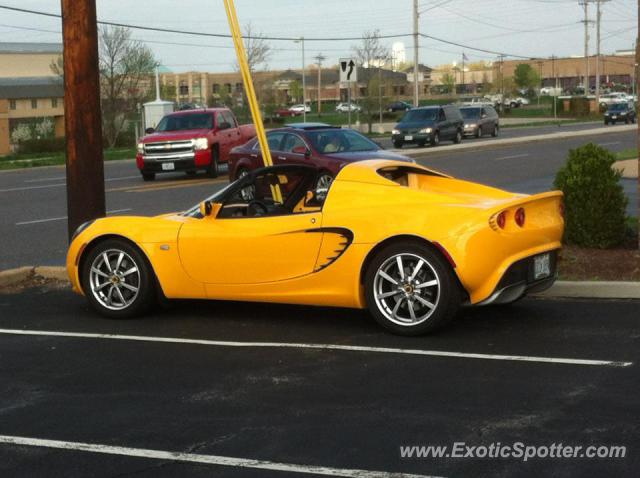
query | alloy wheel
[406, 289]
[114, 279]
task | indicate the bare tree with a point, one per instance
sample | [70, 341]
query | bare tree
[257, 49]
[371, 52]
[124, 64]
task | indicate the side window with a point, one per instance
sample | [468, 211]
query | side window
[483, 112]
[229, 118]
[492, 112]
[453, 113]
[291, 141]
[274, 140]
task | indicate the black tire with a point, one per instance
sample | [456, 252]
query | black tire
[213, 170]
[398, 144]
[496, 131]
[148, 176]
[435, 139]
[457, 139]
[421, 144]
[447, 299]
[146, 281]
[626, 121]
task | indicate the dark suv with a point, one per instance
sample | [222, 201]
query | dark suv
[620, 112]
[429, 124]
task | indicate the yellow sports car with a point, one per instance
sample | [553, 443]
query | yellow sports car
[408, 243]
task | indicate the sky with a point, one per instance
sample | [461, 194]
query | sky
[532, 28]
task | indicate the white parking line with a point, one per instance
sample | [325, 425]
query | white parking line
[27, 188]
[204, 459]
[38, 221]
[349, 348]
[514, 156]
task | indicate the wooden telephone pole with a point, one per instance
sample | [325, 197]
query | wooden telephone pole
[82, 119]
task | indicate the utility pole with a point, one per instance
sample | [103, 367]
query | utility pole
[380, 91]
[304, 84]
[598, 20]
[319, 58]
[82, 118]
[586, 21]
[416, 46]
[540, 75]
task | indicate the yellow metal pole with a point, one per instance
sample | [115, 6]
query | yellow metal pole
[241, 54]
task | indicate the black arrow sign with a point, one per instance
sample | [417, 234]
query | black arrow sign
[351, 65]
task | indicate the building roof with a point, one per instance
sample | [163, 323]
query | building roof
[31, 87]
[14, 47]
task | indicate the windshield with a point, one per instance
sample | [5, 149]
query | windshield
[420, 115]
[618, 107]
[186, 122]
[468, 113]
[340, 141]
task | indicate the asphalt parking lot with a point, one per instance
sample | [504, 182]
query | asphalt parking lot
[248, 389]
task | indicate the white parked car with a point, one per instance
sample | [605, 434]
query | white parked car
[346, 107]
[300, 109]
[617, 97]
[516, 102]
[550, 91]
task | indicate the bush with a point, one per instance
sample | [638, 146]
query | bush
[45, 145]
[595, 203]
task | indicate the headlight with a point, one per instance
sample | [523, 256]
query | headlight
[141, 148]
[395, 131]
[425, 130]
[200, 143]
[81, 228]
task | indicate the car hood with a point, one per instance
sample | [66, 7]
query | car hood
[415, 124]
[362, 155]
[175, 135]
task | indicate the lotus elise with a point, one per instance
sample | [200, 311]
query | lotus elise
[407, 243]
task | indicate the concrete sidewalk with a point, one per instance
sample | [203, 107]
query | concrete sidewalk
[520, 140]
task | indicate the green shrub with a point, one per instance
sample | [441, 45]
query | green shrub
[43, 145]
[595, 203]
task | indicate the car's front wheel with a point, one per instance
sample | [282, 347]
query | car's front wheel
[117, 279]
[435, 139]
[457, 139]
[213, 170]
[410, 289]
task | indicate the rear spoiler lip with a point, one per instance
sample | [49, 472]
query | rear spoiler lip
[522, 201]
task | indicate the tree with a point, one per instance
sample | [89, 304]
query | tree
[448, 81]
[370, 101]
[371, 52]
[123, 64]
[295, 91]
[525, 76]
[257, 49]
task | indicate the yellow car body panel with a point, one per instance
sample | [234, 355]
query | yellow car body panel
[317, 257]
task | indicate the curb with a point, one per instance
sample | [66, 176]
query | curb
[511, 141]
[593, 290]
[13, 277]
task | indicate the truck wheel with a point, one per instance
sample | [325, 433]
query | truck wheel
[213, 171]
[148, 176]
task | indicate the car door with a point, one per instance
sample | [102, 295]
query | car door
[253, 249]
[444, 125]
[225, 135]
[274, 141]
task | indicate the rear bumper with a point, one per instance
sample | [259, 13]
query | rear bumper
[519, 280]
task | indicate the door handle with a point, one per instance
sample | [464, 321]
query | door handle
[254, 155]
[282, 157]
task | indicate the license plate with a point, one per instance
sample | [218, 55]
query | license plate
[408, 138]
[541, 266]
[168, 166]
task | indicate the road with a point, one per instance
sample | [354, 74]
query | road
[299, 407]
[33, 201]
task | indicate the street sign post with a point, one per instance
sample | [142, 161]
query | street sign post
[348, 75]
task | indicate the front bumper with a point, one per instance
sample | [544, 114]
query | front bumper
[187, 161]
[470, 130]
[519, 280]
[415, 137]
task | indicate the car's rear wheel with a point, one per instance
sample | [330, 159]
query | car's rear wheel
[435, 139]
[213, 171]
[496, 131]
[457, 139]
[148, 176]
[117, 279]
[398, 144]
[410, 289]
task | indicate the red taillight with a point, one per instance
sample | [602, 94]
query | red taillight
[519, 217]
[501, 219]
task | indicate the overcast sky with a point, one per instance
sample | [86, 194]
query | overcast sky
[539, 28]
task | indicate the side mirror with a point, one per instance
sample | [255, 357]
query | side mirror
[210, 209]
[149, 130]
[301, 150]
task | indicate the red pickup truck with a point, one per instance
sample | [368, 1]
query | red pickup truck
[191, 140]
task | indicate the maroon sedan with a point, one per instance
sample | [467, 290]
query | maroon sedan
[326, 147]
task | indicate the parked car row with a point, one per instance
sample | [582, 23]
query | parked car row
[432, 124]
